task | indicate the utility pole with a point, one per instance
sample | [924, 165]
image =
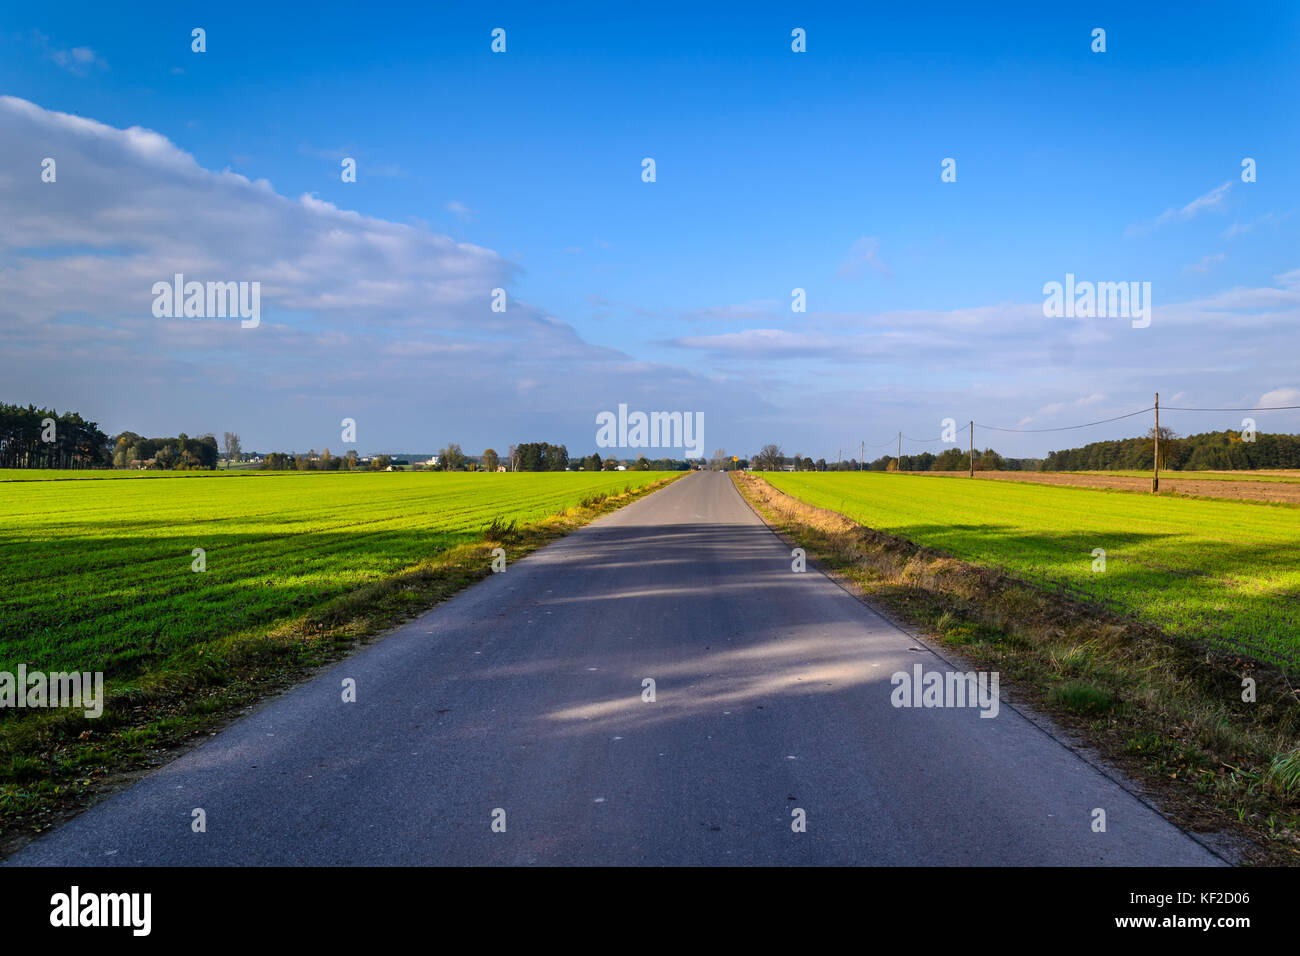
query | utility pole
[1155, 477]
[972, 448]
[839, 457]
[862, 453]
[899, 466]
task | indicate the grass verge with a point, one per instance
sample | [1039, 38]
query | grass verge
[1170, 713]
[55, 763]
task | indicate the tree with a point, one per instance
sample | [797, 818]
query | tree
[491, 461]
[1169, 450]
[556, 458]
[231, 443]
[952, 459]
[720, 461]
[771, 458]
[541, 456]
[451, 458]
[592, 462]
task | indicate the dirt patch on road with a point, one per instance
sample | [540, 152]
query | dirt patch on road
[1254, 490]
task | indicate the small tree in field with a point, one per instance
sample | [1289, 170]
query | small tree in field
[771, 458]
[451, 458]
[231, 442]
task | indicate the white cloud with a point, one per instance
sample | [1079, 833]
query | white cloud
[863, 255]
[1279, 397]
[358, 312]
[1205, 264]
[1290, 280]
[78, 60]
[1213, 200]
[460, 210]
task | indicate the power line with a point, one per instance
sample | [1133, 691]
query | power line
[1103, 421]
[1265, 408]
[1066, 428]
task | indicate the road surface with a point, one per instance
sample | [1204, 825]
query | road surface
[522, 703]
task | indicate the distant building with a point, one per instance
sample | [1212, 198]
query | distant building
[433, 462]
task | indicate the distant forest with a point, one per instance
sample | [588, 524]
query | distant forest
[1226, 450]
[34, 437]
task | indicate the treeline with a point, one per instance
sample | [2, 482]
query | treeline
[952, 459]
[956, 459]
[34, 437]
[1226, 450]
[181, 453]
[287, 461]
[540, 456]
[594, 462]
[646, 464]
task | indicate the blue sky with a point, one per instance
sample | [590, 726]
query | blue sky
[775, 170]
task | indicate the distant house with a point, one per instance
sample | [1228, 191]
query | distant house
[501, 467]
[433, 462]
[143, 462]
[622, 468]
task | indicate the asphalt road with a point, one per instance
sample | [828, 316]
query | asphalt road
[524, 694]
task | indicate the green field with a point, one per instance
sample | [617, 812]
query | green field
[96, 575]
[84, 474]
[1226, 572]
